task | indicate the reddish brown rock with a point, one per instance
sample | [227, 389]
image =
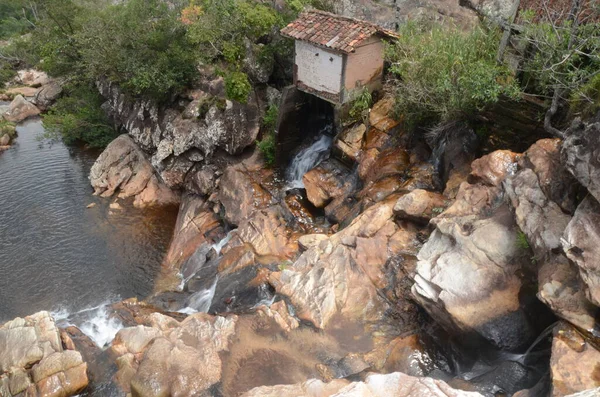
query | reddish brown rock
[493, 168]
[420, 206]
[575, 363]
[350, 142]
[381, 117]
[241, 190]
[325, 182]
[196, 225]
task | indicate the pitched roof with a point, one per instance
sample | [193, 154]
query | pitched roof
[332, 31]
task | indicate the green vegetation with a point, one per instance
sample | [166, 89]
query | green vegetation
[7, 127]
[237, 86]
[359, 108]
[522, 242]
[444, 74]
[267, 145]
[77, 117]
[564, 63]
[16, 17]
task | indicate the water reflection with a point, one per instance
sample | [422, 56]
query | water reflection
[55, 254]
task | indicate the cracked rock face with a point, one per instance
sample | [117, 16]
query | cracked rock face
[176, 140]
[34, 362]
[581, 156]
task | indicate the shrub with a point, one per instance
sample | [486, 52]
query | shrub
[237, 86]
[268, 149]
[77, 116]
[269, 121]
[443, 74]
[359, 109]
[7, 127]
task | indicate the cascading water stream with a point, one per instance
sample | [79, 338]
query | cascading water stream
[308, 158]
[95, 322]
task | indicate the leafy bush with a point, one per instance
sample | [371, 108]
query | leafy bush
[14, 18]
[7, 127]
[269, 121]
[77, 116]
[442, 73]
[237, 86]
[586, 99]
[268, 149]
[220, 27]
[139, 44]
[359, 109]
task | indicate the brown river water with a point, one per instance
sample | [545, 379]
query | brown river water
[57, 255]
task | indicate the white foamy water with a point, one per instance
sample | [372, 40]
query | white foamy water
[307, 159]
[201, 301]
[94, 322]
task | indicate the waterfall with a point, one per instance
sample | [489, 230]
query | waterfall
[308, 158]
[201, 301]
[95, 322]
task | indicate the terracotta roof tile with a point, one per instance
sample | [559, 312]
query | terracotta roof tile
[332, 31]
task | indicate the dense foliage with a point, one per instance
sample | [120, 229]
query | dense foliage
[442, 73]
[78, 117]
[16, 18]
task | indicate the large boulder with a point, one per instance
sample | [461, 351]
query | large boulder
[574, 363]
[169, 358]
[327, 181]
[123, 167]
[341, 276]
[495, 9]
[33, 361]
[420, 206]
[581, 242]
[20, 109]
[467, 273]
[396, 384]
[47, 94]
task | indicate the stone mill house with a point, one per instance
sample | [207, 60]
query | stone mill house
[336, 57]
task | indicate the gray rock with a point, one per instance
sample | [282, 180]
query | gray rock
[581, 156]
[47, 94]
[581, 243]
[467, 271]
[123, 167]
[20, 109]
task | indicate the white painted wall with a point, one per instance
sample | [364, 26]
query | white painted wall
[318, 68]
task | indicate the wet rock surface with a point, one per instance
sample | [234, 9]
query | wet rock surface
[575, 362]
[33, 361]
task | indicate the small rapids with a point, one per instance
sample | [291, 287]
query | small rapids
[94, 322]
[308, 158]
[201, 301]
